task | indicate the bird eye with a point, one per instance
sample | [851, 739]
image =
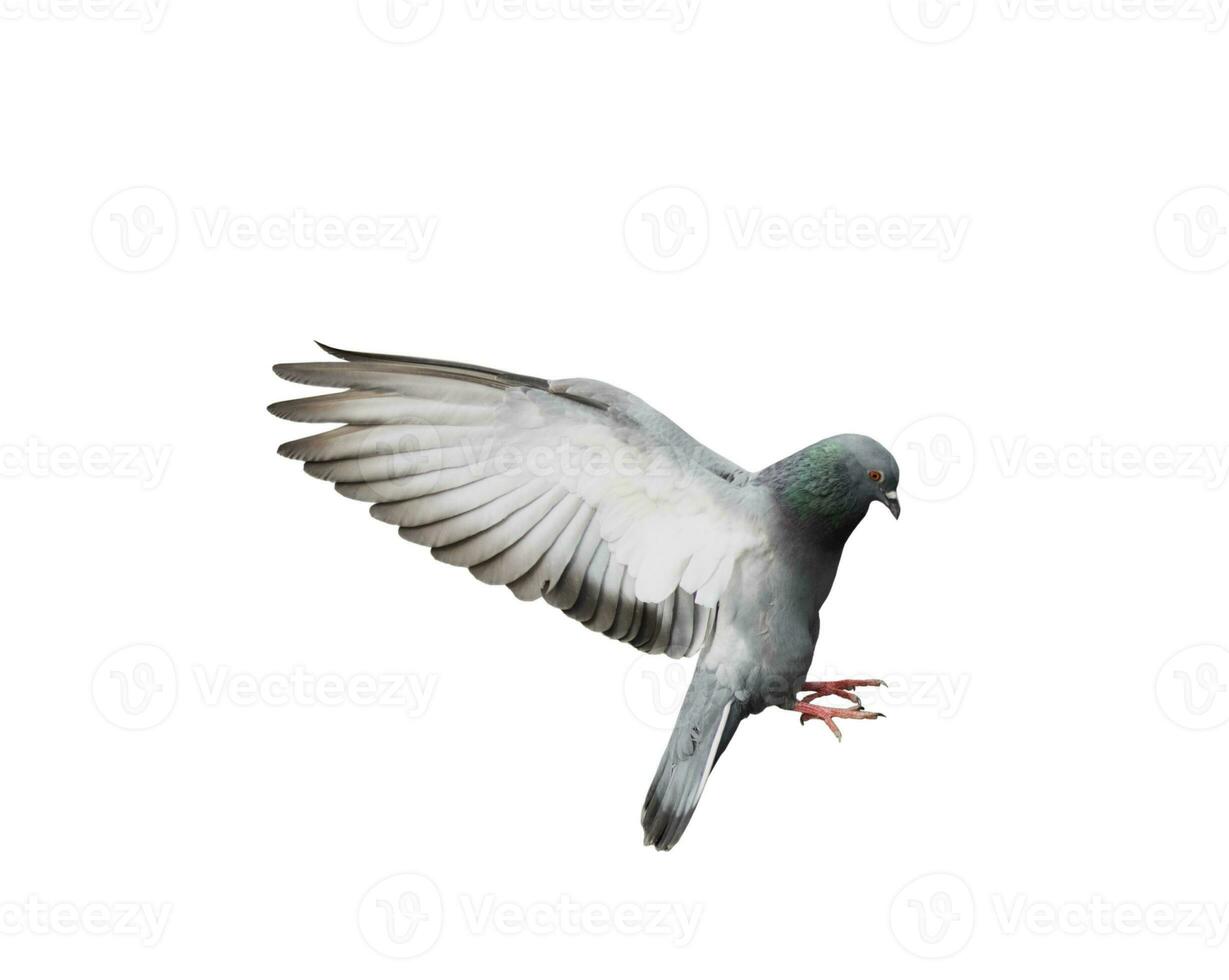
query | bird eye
[875, 475]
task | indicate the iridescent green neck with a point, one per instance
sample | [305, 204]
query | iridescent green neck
[815, 485]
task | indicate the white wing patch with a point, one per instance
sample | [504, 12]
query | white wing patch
[624, 525]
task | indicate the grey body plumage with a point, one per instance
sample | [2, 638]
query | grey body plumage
[667, 545]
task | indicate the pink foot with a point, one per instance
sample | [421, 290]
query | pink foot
[842, 689]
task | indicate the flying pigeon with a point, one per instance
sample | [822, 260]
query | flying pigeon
[581, 494]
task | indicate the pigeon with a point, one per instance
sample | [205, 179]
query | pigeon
[581, 494]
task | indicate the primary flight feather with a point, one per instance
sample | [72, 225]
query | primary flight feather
[581, 494]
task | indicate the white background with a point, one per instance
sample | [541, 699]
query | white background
[1062, 536]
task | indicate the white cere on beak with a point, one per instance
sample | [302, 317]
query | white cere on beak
[891, 495]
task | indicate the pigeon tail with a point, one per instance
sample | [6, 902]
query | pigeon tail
[706, 722]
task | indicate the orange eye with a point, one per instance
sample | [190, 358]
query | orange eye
[875, 475]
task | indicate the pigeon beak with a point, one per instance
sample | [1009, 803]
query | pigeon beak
[893, 503]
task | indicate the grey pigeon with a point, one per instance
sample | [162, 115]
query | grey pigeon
[581, 494]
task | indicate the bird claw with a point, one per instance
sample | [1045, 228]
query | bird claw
[840, 693]
[826, 715]
[841, 689]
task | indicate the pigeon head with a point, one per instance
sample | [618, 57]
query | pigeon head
[834, 482]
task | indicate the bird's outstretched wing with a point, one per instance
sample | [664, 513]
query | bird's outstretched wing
[574, 490]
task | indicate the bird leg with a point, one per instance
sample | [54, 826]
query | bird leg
[842, 689]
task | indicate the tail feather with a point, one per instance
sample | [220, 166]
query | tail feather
[706, 723]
